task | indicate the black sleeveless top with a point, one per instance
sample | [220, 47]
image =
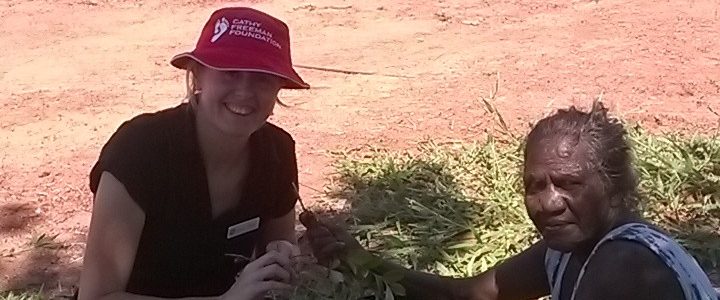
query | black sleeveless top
[182, 249]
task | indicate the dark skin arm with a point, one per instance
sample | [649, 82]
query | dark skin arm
[607, 276]
[520, 277]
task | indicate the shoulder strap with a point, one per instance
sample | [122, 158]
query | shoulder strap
[555, 264]
[692, 279]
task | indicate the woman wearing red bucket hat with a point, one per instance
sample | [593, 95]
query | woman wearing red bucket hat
[182, 193]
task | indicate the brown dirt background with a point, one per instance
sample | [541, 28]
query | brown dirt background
[72, 71]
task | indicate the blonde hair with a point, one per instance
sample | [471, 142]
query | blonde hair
[191, 91]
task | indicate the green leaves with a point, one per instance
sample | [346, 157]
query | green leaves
[438, 204]
[680, 185]
[352, 278]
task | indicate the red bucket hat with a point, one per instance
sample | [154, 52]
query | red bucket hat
[244, 39]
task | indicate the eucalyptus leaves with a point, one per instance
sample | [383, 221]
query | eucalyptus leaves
[352, 278]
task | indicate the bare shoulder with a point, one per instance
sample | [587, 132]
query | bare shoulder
[628, 270]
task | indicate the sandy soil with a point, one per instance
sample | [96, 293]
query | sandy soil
[72, 71]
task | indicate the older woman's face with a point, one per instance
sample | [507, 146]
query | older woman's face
[564, 196]
[237, 102]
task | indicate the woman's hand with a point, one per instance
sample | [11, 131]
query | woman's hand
[270, 272]
[292, 252]
[285, 248]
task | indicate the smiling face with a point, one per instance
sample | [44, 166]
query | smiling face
[564, 194]
[236, 102]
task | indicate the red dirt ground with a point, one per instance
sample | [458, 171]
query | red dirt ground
[72, 71]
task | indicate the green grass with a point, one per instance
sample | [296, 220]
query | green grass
[28, 295]
[457, 209]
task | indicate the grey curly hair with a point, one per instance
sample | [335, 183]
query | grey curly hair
[610, 153]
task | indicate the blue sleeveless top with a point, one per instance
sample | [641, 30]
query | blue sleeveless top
[693, 280]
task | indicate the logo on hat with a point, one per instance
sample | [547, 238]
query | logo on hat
[221, 26]
[252, 41]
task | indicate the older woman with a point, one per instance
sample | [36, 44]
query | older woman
[581, 193]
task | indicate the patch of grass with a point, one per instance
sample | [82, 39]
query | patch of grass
[27, 295]
[37, 242]
[45, 241]
[457, 209]
[453, 209]
[680, 184]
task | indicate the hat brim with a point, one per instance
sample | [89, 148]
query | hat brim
[220, 60]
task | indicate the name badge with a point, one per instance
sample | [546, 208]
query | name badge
[243, 227]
